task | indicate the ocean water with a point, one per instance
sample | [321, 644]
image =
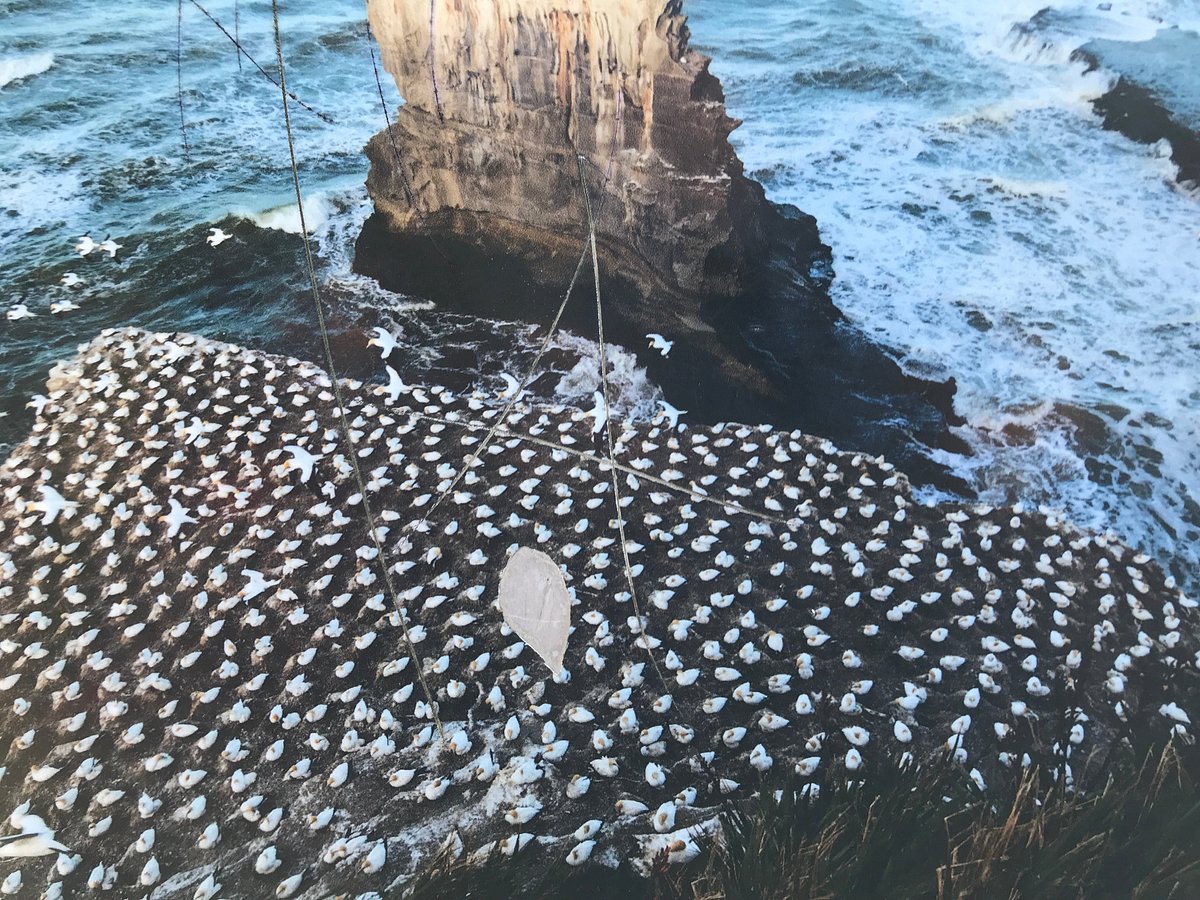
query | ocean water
[984, 225]
[90, 141]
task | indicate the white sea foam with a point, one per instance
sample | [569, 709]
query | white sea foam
[634, 396]
[18, 68]
[287, 217]
[995, 232]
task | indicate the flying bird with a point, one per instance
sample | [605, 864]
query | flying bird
[85, 245]
[393, 388]
[670, 413]
[301, 459]
[384, 341]
[109, 246]
[216, 237]
[511, 387]
[660, 343]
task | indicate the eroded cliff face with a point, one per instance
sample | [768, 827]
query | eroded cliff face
[479, 207]
[510, 92]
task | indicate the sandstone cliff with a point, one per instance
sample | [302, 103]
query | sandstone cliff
[479, 207]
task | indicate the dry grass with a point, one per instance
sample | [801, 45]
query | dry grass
[1133, 832]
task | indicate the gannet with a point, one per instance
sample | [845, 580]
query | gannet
[660, 343]
[670, 413]
[177, 517]
[34, 839]
[20, 311]
[85, 245]
[511, 387]
[598, 412]
[302, 460]
[216, 237]
[109, 246]
[52, 503]
[394, 388]
[384, 340]
[70, 279]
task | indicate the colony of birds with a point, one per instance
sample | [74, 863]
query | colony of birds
[206, 691]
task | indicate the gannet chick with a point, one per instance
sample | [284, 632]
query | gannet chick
[659, 343]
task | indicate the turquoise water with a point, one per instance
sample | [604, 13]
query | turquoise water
[984, 226]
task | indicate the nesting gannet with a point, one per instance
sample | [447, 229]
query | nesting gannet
[660, 343]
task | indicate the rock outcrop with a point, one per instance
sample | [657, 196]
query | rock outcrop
[205, 683]
[479, 207]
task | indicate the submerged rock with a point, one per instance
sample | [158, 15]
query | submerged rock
[478, 206]
[205, 683]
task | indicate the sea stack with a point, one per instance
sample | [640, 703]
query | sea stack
[479, 206]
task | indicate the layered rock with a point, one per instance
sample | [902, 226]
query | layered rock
[510, 93]
[479, 206]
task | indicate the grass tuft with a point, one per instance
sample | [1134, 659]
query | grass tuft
[1130, 829]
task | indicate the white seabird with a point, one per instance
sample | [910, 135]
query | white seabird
[384, 341]
[659, 343]
[35, 839]
[216, 237]
[52, 503]
[301, 459]
[670, 413]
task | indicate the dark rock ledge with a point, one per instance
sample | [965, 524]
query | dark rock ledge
[202, 683]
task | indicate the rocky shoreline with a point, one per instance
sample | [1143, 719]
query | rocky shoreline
[479, 208]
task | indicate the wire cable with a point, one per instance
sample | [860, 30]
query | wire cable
[187, 151]
[643, 635]
[267, 75]
[343, 420]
